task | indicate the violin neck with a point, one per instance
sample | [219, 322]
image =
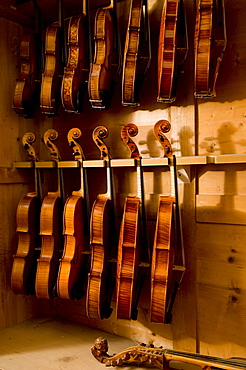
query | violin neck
[109, 181]
[60, 190]
[38, 187]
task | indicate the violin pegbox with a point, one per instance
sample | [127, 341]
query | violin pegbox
[50, 136]
[99, 134]
[73, 135]
[27, 141]
[161, 127]
[128, 131]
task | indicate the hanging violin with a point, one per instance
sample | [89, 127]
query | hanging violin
[50, 229]
[168, 241]
[27, 219]
[102, 229]
[106, 61]
[27, 85]
[76, 231]
[172, 50]
[132, 239]
[210, 44]
[137, 56]
[76, 72]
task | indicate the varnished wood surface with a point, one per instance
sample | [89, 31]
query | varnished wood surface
[51, 77]
[128, 258]
[101, 71]
[161, 264]
[76, 72]
[24, 264]
[51, 233]
[167, 50]
[27, 85]
[131, 54]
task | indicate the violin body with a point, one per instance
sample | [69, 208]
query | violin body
[203, 35]
[102, 230]
[134, 65]
[24, 264]
[52, 244]
[98, 283]
[101, 70]
[51, 77]
[27, 85]
[128, 258]
[76, 72]
[72, 263]
[210, 44]
[162, 256]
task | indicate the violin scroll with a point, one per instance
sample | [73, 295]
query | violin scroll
[161, 127]
[50, 136]
[128, 131]
[27, 141]
[73, 135]
[99, 134]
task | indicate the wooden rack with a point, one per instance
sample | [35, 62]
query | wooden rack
[146, 162]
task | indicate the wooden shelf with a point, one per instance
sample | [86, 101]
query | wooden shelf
[146, 162]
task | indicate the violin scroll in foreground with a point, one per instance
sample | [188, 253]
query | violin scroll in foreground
[161, 358]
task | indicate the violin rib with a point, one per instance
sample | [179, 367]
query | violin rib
[128, 258]
[51, 77]
[77, 69]
[101, 71]
[135, 65]
[27, 85]
[27, 220]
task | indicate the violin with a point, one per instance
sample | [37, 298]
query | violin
[167, 240]
[50, 229]
[73, 262]
[137, 57]
[172, 49]
[210, 44]
[27, 219]
[51, 77]
[106, 57]
[27, 85]
[76, 72]
[132, 238]
[161, 357]
[102, 227]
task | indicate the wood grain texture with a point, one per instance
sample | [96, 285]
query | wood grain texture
[128, 258]
[101, 72]
[77, 69]
[161, 265]
[51, 77]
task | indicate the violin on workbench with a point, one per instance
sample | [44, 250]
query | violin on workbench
[73, 264]
[168, 241]
[76, 72]
[107, 57]
[133, 240]
[101, 278]
[137, 54]
[51, 228]
[27, 219]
